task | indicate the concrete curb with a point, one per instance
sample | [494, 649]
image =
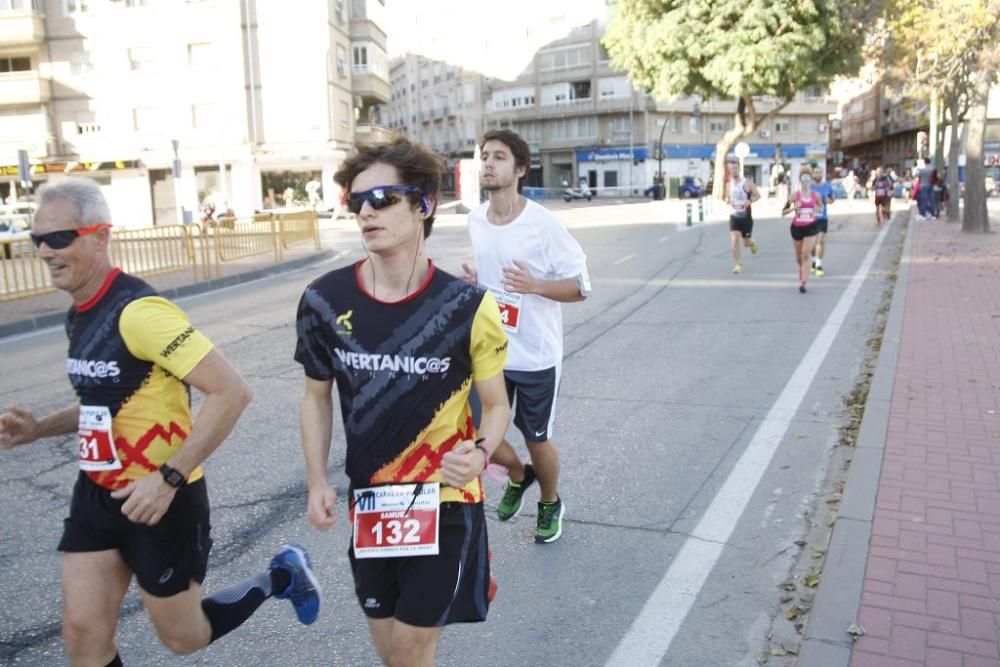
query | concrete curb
[838, 600]
[57, 317]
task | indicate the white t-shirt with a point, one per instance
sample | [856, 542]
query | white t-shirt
[538, 239]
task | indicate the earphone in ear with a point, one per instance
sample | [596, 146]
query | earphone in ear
[426, 205]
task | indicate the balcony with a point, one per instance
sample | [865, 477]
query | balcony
[372, 134]
[21, 27]
[20, 88]
[372, 87]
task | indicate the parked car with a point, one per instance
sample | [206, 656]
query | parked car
[690, 187]
[14, 238]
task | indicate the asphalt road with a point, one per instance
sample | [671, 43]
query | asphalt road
[678, 376]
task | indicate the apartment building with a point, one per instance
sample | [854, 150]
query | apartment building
[170, 104]
[585, 119]
[439, 105]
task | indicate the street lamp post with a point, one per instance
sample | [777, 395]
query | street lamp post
[660, 193]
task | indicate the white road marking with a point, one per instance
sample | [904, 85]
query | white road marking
[624, 259]
[651, 634]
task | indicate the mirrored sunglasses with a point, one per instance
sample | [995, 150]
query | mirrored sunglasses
[380, 197]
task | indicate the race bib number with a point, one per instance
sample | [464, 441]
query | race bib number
[880, 192]
[807, 215]
[510, 308]
[97, 443]
[396, 520]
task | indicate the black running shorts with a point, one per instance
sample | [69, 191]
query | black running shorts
[431, 591]
[822, 225]
[533, 395]
[800, 232]
[742, 224]
[166, 557]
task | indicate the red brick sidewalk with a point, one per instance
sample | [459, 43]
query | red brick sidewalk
[932, 586]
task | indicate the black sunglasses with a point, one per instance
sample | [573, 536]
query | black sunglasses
[63, 238]
[380, 197]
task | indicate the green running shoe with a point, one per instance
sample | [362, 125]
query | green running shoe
[513, 495]
[549, 527]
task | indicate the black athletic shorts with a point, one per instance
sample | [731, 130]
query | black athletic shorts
[822, 225]
[431, 591]
[800, 232]
[166, 557]
[742, 224]
[533, 395]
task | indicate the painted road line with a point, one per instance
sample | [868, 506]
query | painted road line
[651, 634]
[624, 259]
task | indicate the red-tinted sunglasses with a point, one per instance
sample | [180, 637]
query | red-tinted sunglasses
[63, 238]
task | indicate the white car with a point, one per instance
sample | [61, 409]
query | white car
[14, 237]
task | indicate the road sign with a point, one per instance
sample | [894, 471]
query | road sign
[742, 150]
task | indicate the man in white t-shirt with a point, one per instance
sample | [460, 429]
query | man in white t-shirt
[531, 263]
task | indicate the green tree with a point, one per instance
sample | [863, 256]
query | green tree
[738, 50]
[949, 48]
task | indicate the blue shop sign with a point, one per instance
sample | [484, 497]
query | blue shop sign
[758, 151]
[608, 154]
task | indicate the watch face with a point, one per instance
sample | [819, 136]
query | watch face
[171, 476]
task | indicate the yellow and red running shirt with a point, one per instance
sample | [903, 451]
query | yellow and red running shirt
[129, 350]
[403, 371]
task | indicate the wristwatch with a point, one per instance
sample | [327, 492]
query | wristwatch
[172, 476]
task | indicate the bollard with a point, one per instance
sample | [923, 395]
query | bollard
[689, 213]
[701, 209]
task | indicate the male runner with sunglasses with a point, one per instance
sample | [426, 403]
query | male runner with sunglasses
[531, 264]
[405, 344]
[140, 504]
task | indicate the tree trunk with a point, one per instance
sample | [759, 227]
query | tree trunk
[742, 126]
[954, 149]
[975, 217]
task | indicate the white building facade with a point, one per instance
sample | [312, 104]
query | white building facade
[240, 94]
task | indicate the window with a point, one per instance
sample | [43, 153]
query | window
[140, 58]
[718, 125]
[621, 125]
[675, 124]
[360, 57]
[782, 126]
[579, 90]
[695, 123]
[15, 64]
[79, 63]
[341, 61]
[76, 6]
[345, 115]
[612, 87]
[338, 10]
[135, 3]
[564, 57]
[611, 179]
[37, 5]
[812, 93]
[200, 56]
[146, 119]
[204, 116]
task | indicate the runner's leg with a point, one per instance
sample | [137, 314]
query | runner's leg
[402, 645]
[505, 456]
[94, 585]
[545, 461]
[179, 619]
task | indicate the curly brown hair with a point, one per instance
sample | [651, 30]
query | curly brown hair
[417, 165]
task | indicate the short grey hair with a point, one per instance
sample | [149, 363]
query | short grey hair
[85, 195]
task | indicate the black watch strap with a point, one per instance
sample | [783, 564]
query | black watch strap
[172, 476]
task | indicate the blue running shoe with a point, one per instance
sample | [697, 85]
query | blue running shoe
[304, 590]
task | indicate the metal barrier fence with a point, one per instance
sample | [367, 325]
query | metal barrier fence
[201, 249]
